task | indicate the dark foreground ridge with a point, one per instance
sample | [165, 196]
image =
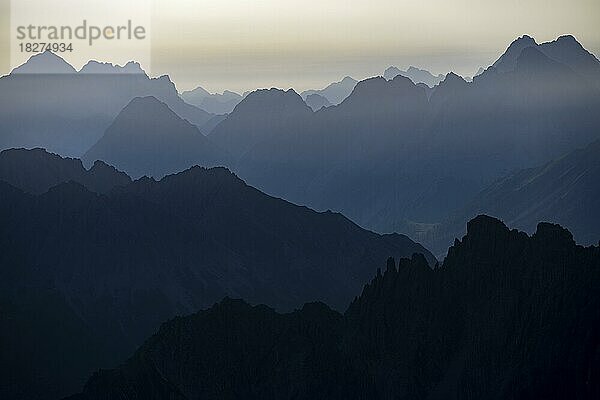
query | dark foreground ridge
[507, 316]
[113, 264]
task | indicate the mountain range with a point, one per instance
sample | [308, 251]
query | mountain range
[506, 316]
[212, 102]
[148, 138]
[335, 92]
[415, 74]
[47, 103]
[563, 191]
[316, 101]
[386, 154]
[112, 265]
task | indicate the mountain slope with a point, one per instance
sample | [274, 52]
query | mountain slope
[414, 74]
[335, 92]
[212, 102]
[125, 261]
[72, 109]
[565, 50]
[147, 138]
[387, 154]
[316, 102]
[563, 191]
[35, 171]
[256, 119]
[506, 316]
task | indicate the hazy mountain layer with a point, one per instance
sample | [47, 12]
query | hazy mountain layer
[148, 138]
[212, 102]
[45, 103]
[316, 101]
[391, 152]
[414, 74]
[564, 191]
[336, 92]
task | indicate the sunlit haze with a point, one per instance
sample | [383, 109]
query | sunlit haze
[241, 44]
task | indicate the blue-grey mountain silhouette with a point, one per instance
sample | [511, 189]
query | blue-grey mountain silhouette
[148, 138]
[316, 101]
[391, 150]
[36, 171]
[212, 102]
[259, 118]
[335, 92]
[415, 74]
[563, 191]
[46, 103]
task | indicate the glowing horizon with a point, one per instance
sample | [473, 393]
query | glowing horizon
[241, 45]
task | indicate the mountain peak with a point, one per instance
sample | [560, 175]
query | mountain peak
[524, 41]
[483, 224]
[45, 63]
[273, 99]
[568, 39]
[554, 233]
[97, 67]
[453, 78]
[147, 108]
[149, 138]
[506, 62]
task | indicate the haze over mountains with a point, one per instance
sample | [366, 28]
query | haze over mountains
[212, 102]
[46, 103]
[416, 75]
[168, 208]
[389, 152]
[118, 264]
[565, 190]
[380, 151]
[506, 316]
[148, 138]
[336, 92]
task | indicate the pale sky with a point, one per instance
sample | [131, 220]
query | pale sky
[246, 44]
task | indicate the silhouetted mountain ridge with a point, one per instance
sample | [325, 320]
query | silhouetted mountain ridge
[506, 316]
[35, 171]
[46, 103]
[141, 253]
[563, 191]
[148, 138]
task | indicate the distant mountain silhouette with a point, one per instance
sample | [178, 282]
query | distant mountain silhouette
[214, 103]
[148, 138]
[118, 264]
[46, 62]
[258, 117]
[387, 154]
[414, 74]
[46, 103]
[336, 92]
[97, 67]
[565, 50]
[316, 101]
[507, 60]
[35, 171]
[563, 191]
[506, 316]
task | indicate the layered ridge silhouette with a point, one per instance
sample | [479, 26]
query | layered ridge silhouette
[46, 103]
[112, 266]
[506, 316]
